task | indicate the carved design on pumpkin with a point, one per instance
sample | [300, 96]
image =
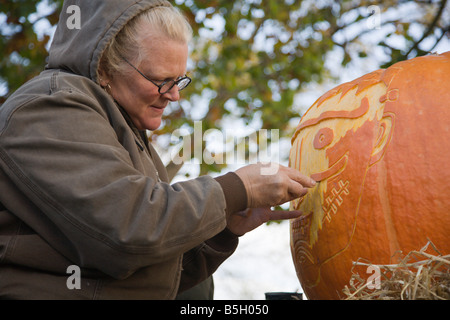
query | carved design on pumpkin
[375, 144]
[346, 113]
[335, 200]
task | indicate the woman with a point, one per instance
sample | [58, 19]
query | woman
[81, 186]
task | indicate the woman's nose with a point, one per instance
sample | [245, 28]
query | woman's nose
[173, 94]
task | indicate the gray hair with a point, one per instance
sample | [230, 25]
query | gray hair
[166, 21]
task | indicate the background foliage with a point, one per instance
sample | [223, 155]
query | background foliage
[250, 59]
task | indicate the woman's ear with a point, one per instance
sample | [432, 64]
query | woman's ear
[104, 79]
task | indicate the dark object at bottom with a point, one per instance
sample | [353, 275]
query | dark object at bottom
[284, 296]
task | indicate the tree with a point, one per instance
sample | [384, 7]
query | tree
[24, 50]
[250, 58]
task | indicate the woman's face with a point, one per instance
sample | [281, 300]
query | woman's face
[164, 60]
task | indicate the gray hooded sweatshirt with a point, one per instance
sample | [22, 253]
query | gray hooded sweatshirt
[86, 210]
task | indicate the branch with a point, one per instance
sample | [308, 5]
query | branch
[430, 28]
[444, 32]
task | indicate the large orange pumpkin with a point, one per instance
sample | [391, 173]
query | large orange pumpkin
[380, 147]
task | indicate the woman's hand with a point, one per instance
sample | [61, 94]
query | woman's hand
[272, 184]
[244, 221]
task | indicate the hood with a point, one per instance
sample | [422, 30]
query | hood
[85, 28]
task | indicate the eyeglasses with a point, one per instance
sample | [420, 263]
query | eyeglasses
[165, 86]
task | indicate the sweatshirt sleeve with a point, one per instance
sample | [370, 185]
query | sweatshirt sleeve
[234, 191]
[97, 204]
[202, 261]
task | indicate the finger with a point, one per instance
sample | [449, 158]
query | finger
[297, 176]
[284, 214]
[296, 190]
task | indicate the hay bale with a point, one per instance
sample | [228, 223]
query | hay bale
[419, 276]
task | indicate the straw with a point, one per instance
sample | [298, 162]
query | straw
[420, 275]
